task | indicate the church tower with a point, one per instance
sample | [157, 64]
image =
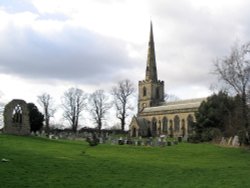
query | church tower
[151, 90]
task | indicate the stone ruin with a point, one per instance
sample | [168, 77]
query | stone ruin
[16, 118]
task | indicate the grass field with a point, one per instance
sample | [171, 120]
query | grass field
[37, 162]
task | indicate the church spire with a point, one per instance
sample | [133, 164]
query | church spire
[151, 71]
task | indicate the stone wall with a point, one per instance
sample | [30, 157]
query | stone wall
[16, 118]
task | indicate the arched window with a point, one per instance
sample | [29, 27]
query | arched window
[176, 123]
[17, 115]
[165, 124]
[157, 93]
[154, 125]
[144, 91]
[190, 124]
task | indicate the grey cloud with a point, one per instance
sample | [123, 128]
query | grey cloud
[192, 38]
[73, 54]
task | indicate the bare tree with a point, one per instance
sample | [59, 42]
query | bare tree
[122, 94]
[234, 71]
[46, 102]
[99, 107]
[73, 103]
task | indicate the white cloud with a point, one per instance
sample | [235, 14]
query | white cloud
[95, 43]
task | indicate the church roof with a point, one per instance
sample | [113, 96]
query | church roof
[140, 122]
[176, 105]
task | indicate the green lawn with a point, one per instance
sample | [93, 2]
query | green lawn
[37, 162]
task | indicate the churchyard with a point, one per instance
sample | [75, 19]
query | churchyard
[41, 162]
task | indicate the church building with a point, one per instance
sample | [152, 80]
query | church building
[155, 116]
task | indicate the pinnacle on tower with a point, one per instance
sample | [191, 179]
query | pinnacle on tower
[151, 71]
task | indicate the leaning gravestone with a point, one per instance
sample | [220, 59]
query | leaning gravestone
[16, 118]
[229, 141]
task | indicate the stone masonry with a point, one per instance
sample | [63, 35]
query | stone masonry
[16, 118]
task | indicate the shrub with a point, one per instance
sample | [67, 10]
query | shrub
[194, 138]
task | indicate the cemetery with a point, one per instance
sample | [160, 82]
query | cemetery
[36, 161]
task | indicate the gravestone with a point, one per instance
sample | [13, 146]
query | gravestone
[16, 118]
[100, 140]
[235, 141]
[229, 141]
[223, 141]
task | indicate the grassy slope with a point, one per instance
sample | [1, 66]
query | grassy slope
[37, 162]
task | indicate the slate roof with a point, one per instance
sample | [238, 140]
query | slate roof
[177, 105]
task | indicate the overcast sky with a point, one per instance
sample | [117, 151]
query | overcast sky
[51, 45]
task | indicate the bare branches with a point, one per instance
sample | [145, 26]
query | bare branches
[122, 93]
[234, 71]
[46, 102]
[98, 107]
[73, 103]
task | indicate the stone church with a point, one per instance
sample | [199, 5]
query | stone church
[155, 116]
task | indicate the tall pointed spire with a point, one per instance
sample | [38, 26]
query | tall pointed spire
[151, 71]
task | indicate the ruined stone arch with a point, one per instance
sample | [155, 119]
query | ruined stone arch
[16, 118]
[17, 114]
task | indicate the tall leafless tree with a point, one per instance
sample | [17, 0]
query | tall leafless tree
[98, 107]
[46, 102]
[73, 103]
[122, 94]
[234, 71]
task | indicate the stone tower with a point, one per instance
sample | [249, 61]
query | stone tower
[151, 90]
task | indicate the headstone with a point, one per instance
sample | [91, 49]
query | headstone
[229, 141]
[139, 142]
[223, 141]
[179, 138]
[159, 141]
[101, 140]
[235, 141]
[120, 141]
[113, 142]
[136, 143]
[142, 143]
[129, 141]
